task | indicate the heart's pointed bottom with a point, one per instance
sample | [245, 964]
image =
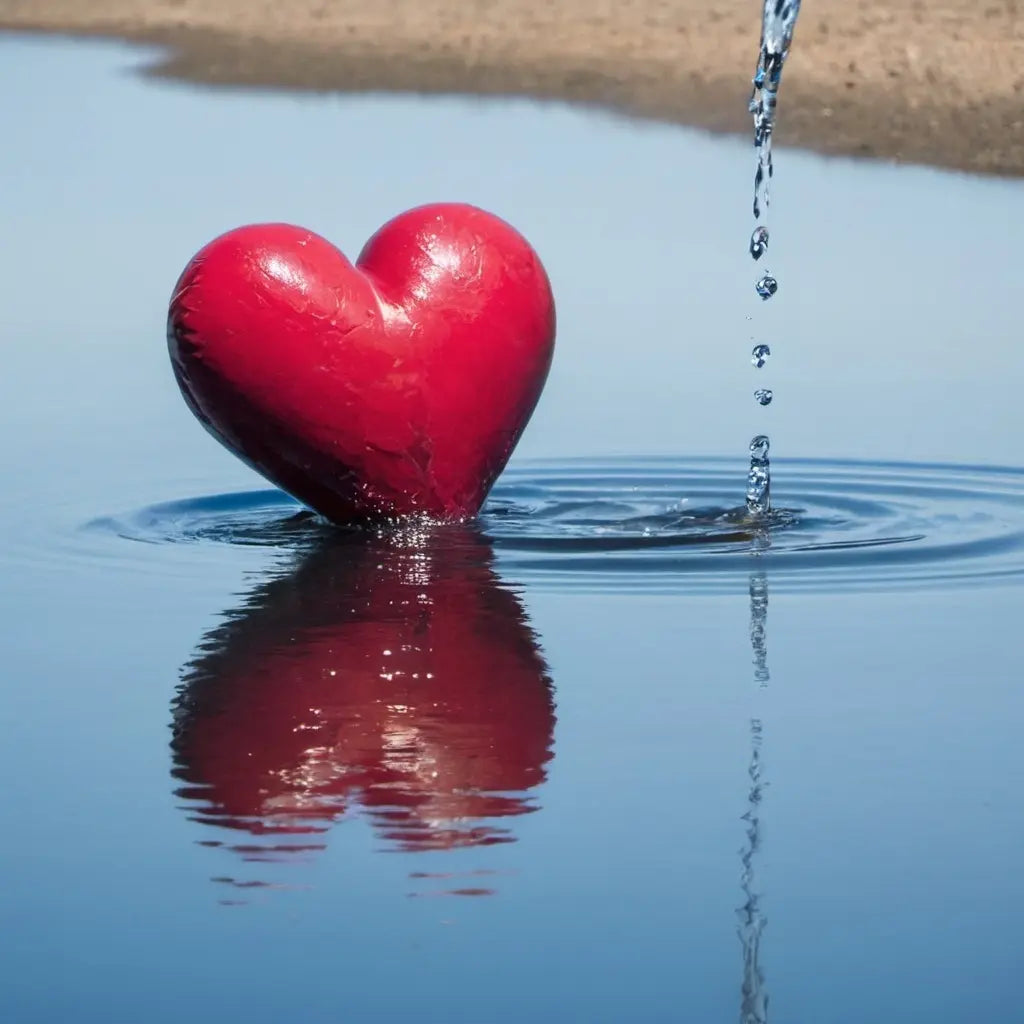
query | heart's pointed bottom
[396, 387]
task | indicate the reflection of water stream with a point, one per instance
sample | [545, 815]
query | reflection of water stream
[753, 996]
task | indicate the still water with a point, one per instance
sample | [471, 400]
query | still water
[610, 754]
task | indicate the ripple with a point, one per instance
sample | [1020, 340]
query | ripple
[674, 525]
[265, 518]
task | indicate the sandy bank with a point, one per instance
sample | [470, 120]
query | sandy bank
[910, 80]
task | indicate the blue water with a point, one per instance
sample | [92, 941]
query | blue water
[549, 827]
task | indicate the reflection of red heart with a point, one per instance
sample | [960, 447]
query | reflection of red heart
[399, 676]
[396, 386]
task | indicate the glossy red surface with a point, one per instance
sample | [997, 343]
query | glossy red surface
[396, 675]
[396, 386]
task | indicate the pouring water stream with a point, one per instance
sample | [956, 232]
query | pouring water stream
[778, 22]
[777, 25]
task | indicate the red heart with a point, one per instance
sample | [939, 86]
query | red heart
[394, 387]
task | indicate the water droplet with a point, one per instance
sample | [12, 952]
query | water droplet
[764, 396]
[767, 286]
[759, 355]
[759, 447]
[758, 242]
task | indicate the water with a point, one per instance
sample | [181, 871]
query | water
[778, 22]
[657, 525]
[759, 355]
[752, 921]
[754, 1002]
[550, 826]
[759, 242]
[767, 286]
[759, 480]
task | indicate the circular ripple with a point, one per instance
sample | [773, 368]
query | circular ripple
[266, 518]
[674, 525]
[658, 525]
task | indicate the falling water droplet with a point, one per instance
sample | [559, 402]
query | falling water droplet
[759, 242]
[759, 478]
[764, 396]
[759, 355]
[767, 286]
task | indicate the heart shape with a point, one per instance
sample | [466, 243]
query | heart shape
[397, 386]
[317, 697]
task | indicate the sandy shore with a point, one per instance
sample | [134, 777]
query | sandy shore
[919, 81]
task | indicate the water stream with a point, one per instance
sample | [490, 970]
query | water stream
[777, 24]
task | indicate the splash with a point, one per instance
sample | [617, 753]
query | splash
[759, 481]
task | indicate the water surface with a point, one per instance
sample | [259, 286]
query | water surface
[525, 797]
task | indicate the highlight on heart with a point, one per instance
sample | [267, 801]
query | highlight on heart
[394, 386]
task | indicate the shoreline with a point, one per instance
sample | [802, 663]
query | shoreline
[952, 98]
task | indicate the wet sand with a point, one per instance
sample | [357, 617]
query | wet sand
[906, 80]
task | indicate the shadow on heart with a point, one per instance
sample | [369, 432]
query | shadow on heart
[394, 677]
